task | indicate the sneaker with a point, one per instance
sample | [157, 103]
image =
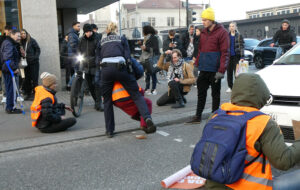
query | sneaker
[109, 134]
[228, 90]
[151, 128]
[194, 120]
[14, 111]
[3, 100]
[148, 92]
[20, 99]
[154, 92]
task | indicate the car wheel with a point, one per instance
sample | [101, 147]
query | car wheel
[259, 62]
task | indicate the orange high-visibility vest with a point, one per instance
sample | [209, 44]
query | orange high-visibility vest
[40, 94]
[119, 92]
[253, 176]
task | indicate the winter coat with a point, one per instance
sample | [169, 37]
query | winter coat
[9, 51]
[33, 51]
[98, 36]
[64, 51]
[88, 48]
[213, 53]
[251, 92]
[73, 40]
[185, 43]
[238, 44]
[113, 46]
[175, 40]
[284, 37]
[50, 113]
[188, 73]
[196, 44]
[152, 42]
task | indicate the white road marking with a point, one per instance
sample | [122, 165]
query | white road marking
[178, 140]
[192, 146]
[165, 134]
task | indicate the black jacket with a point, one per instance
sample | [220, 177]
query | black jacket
[196, 44]
[284, 37]
[185, 43]
[51, 113]
[175, 40]
[238, 44]
[9, 51]
[98, 36]
[152, 42]
[88, 47]
[33, 51]
[73, 39]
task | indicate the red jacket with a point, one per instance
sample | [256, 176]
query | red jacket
[213, 50]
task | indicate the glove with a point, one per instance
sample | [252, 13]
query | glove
[219, 76]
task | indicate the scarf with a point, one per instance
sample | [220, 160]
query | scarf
[175, 71]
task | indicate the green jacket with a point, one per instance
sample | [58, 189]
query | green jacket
[250, 90]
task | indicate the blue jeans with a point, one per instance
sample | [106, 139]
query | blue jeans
[153, 75]
[288, 181]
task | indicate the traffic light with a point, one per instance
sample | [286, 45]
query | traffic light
[191, 17]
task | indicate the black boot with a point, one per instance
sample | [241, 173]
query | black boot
[179, 104]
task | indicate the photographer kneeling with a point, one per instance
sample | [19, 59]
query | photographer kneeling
[180, 78]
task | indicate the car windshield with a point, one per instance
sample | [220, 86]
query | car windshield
[291, 58]
[251, 42]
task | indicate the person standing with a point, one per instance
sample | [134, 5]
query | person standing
[7, 31]
[212, 59]
[98, 36]
[73, 40]
[236, 53]
[114, 59]
[87, 47]
[151, 45]
[32, 54]
[10, 54]
[172, 42]
[284, 37]
[188, 43]
[66, 61]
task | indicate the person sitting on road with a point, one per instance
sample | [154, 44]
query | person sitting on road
[47, 115]
[264, 138]
[180, 78]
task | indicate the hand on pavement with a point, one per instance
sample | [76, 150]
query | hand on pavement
[69, 108]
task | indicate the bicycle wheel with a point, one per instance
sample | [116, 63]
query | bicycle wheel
[77, 95]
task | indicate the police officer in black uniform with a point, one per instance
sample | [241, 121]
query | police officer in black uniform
[114, 59]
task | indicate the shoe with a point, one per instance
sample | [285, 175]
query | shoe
[228, 90]
[14, 111]
[99, 107]
[109, 134]
[154, 92]
[184, 100]
[151, 128]
[179, 104]
[20, 99]
[68, 88]
[3, 100]
[148, 92]
[194, 120]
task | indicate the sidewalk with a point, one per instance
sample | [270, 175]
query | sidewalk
[16, 131]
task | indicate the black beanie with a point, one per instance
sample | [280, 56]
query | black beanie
[87, 28]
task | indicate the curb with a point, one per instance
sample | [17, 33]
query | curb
[53, 139]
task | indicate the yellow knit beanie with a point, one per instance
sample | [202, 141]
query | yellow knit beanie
[209, 14]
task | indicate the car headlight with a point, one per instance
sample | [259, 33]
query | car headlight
[248, 53]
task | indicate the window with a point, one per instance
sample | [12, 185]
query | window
[127, 23]
[272, 14]
[287, 11]
[250, 16]
[9, 14]
[295, 10]
[283, 12]
[254, 16]
[151, 21]
[266, 43]
[132, 23]
[263, 15]
[278, 13]
[170, 21]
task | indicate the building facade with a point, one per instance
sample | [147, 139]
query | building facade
[162, 15]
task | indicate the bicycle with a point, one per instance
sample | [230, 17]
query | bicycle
[78, 88]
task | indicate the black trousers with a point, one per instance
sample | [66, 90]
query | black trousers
[58, 127]
[31, 78]
[69, 70]
[110, 74]
[176, 93]
[206, 79]
[90, 78]
[234, 60]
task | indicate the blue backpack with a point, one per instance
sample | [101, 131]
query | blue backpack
[220, 154]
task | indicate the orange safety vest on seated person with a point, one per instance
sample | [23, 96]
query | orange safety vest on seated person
[119, 91]
[40, 94]
[253, 176]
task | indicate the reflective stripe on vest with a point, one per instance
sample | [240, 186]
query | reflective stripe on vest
[40, 94]
[119, 92]
[253, 177]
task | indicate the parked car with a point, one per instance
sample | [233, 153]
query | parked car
[248, 56]
[282, 78]
[264, 54]
[250, 44]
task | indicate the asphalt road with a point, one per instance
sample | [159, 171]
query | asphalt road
[122, 162]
